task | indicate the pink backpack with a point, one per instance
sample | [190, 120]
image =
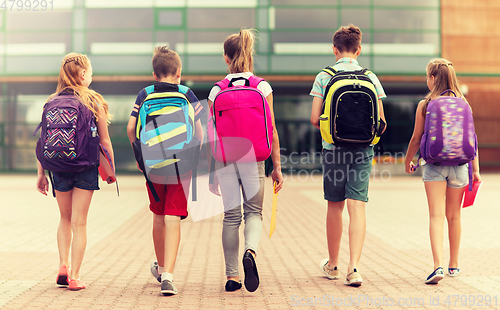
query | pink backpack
[240, 127]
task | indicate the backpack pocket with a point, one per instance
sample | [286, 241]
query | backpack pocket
[325, 128]
[61, 134]
[93, 151]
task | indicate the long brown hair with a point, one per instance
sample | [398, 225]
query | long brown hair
[445, 78]
[72, 65]
[239, 49]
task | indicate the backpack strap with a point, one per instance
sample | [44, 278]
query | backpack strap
[149, 89]
[448, 91]
[330, 70]
[182, 89]
[151, 187]
[255, 80]
[223, 84]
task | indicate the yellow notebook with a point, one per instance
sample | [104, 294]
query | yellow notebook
[274, 211]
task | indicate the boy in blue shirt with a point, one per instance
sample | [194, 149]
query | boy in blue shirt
[172, 207]
[346, 170]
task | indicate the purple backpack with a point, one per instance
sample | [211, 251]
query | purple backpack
[449, 138]
[69, 141]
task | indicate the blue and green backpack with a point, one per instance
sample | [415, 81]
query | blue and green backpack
[166, 145]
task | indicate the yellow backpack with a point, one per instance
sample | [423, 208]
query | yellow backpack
[350, 115]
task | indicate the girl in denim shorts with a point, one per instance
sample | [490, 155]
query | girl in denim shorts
[444, 185]
[74, 191]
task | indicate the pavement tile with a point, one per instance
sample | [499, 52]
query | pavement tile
[396, 256]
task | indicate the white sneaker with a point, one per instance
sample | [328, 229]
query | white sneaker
[331, 273]
[354, 278]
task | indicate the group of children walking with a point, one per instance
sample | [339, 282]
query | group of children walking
[165, 122]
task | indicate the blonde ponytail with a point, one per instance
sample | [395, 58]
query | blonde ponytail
[239, 49]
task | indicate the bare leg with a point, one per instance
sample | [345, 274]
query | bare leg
[159, 232]
[436, 191]
[64, 234]
[81, 202]
[172, 241]
[453, 209]
[334, 231]
[357, 231]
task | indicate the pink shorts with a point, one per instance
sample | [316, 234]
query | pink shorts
[173, 198]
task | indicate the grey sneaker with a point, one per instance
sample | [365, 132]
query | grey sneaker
[154, 271]
[331, 273]
[168, 288]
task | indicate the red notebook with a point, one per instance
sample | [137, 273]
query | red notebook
[470, 196]
[106, 169]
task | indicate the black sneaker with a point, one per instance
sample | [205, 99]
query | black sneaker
[168, 288]
[436, 276]
[251, 274]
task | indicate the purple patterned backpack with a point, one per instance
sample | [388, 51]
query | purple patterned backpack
[449, 138]
[69, 141]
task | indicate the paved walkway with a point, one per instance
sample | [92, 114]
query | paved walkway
[396, 257]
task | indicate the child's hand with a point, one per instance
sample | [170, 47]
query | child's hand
[476, 177]
[42, 184]
[277, 177]
[214, 187]
[410, 168]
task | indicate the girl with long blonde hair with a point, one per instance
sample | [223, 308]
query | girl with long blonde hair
[74, 190]
[444, 185]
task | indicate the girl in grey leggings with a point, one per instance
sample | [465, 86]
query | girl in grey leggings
[243, 179]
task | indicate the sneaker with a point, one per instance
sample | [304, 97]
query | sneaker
[76, 285]
[453, 272]
[154, 271]
[331, 273]
[62, 276]
[353, 278]
[168, 288]
[251, 274]
[436, 276]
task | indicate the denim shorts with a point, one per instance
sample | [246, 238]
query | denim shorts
[346, 173]
[455, 176]
[65, 181]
